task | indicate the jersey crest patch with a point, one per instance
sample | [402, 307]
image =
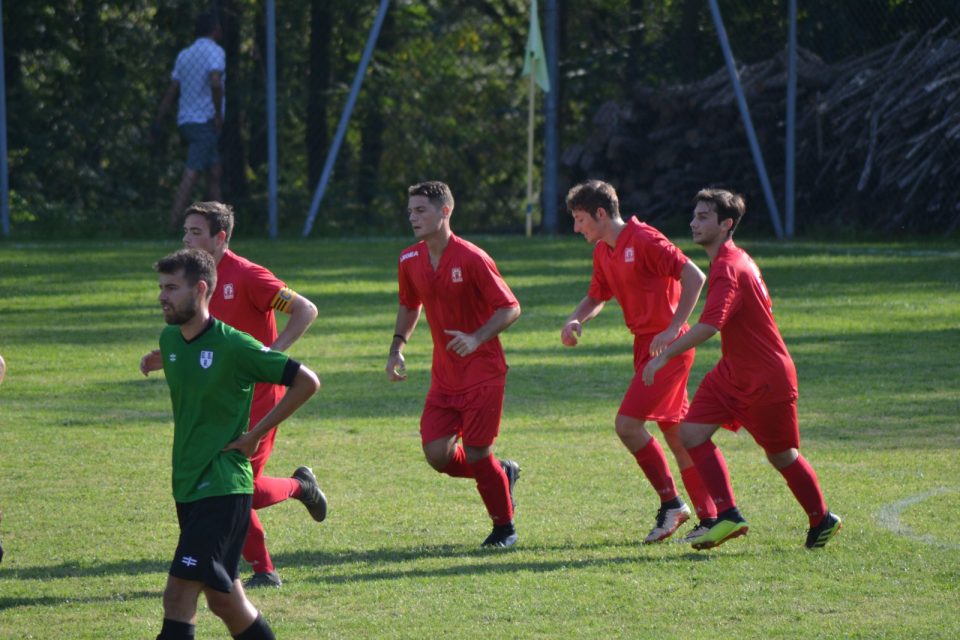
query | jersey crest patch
[628, 255]
[206, 359]
[456, 275]
[228, 291]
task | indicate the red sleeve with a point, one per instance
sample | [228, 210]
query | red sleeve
[261, 287]
[661, 257]
[408, 293]
[723, 296]
[493, 288]
[599, 289]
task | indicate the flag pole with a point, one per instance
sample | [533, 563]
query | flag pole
[531, 101]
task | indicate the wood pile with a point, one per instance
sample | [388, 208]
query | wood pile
[878, 141]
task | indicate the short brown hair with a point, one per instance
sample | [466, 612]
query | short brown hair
[219, 216]
[591, 195]
[196, 265]
[438, 193]
[726, 203]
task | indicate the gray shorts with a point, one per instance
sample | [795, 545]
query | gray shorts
[202, 139]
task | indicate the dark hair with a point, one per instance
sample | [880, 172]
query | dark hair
[219, 216]
[437, 192]
[196, 265]
[726, 203]
[205, 25]
[591, 195]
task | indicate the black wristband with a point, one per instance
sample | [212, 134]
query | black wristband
[402, 339]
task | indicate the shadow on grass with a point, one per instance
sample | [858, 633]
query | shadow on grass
[499, 561]
[52, 601]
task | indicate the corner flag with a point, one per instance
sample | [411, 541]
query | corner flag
[536, 60]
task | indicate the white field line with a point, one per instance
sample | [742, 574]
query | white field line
[889, 518]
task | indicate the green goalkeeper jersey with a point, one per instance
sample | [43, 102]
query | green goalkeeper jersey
[211, 380]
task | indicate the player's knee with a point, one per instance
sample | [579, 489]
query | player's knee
[630, 430]
[436, 459]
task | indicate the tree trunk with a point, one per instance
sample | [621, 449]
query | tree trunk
[317, 138]
[233, 155]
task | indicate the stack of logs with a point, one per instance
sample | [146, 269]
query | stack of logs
[878, 141]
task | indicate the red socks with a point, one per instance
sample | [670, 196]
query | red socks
[654, 465]
[803, 483]
[269, 491]
[255, 546]
[458, 467]
[494, 489]
[702, 502]
[714, 474]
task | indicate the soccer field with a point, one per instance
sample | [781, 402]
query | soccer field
[89, 526]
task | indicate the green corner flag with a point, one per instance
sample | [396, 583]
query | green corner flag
[536, 61]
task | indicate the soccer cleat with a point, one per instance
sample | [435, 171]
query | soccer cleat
[669, 518]
[502, 536]
[819, 535]
[310, 494]
[512, 469]
[723, 530]
[265, 579]
[697, 531]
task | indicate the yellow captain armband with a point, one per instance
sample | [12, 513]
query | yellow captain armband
[283, 301]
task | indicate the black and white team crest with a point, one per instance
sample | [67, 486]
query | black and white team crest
[206, 359]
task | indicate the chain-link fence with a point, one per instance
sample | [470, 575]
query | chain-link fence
[644, 101]
[877, 130]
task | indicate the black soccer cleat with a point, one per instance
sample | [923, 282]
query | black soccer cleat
[512, 469]
[502, 536]
[819, 535]
[310, 494]
[263, 579]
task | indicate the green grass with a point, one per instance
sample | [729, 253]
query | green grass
[89, 525]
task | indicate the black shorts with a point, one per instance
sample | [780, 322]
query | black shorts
[212, 532]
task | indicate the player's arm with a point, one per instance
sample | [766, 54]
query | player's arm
[216, 92]
[691, 283]
[587, 310]
[406, 322]
[302, 313]
[151, 362]
[698, 334]
[304, 384]
[463, 344]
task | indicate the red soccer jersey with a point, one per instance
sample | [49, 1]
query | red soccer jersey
[243, 299]
[460, 295]
[755, 367]
[643, 273]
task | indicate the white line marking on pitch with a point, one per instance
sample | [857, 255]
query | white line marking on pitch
[889, 517]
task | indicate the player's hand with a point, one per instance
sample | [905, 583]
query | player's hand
[396, 367]
[245, 444]
[151, 362]
[571, 332]
[651, 369]
[662, 340]
[463, 344]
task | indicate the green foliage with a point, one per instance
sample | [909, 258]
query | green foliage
[89, 526]
[443, 98]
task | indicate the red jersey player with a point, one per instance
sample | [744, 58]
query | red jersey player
[754, 385]
[467, 304]
[657, 288]
[245, 297]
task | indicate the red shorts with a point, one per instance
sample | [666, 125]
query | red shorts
[262, 405]
[774, 426]
[474, 415]
[666, 399]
